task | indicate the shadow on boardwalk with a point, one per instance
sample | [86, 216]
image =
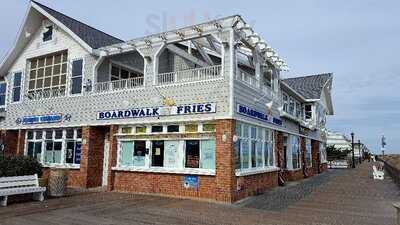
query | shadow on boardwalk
[346, 197]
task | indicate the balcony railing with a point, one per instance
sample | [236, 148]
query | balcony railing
[118, 84]
[247, 78]
[46, 93]
[205, 73]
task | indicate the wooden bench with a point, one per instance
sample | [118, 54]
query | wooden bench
[20, 185]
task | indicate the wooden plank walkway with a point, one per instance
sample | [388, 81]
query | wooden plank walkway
[349, 197]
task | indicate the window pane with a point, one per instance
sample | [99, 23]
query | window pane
[140, 130]
[76, 85]
[173, 128]
[3, 88]
[41, 62]
[70, 133]
[237, 154]
[58, 134]
[69, 152]
[57, 58]
[47, 71]
[266, 154]
[48, 35]
[39, 135]
[192, 154]
[49, 152]
[245, 130]
[191, 128]
[38, 150]
[77, 153]
[49, 60]
[239, 129]
[17, 79]
[79, 133]
[40, 73]
[209, 127]
[57, 151]
[271, 154]
[139, 153]
[245, 154]
[77, 68]
[57, 70]
[31, 146]
[259, 152]
[49, 134]
[171, 154]
[16, 94]
[253, 153]
[30, 135]
[156, 129]
[126, 153]
[207, 154]
[2, 100]
[253, 132]
[126, 130]
[157, 154]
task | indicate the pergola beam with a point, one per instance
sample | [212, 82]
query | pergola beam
[205, 56]
[182, 53]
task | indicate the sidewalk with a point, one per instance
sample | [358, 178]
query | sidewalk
[346, 197]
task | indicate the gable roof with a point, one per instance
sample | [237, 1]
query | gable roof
[91, 36]
[310, 87]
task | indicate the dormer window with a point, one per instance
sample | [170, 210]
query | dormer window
[48, 33]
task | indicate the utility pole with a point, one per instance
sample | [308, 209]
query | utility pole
[353, 165]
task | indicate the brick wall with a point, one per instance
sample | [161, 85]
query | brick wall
[293, 175]
[75, 177]
[315, 156]
[255, 184]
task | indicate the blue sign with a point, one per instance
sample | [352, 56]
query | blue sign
[191, 181]
[49, 118]
[252, 113]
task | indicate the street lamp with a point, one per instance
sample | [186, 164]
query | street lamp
[353, 165]
[359, 150]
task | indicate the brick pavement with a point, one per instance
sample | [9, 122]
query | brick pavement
[345, 197]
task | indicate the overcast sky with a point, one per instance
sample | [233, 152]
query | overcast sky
[356, 40]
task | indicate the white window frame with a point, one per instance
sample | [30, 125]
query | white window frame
[181, 169]
[5, 94]
[265, 167]
[63, 140]
[21, 93]
[308, 152]
[291, 102]
[70, 77]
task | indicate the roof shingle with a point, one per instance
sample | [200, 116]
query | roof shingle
[310, 87]
[93, 37]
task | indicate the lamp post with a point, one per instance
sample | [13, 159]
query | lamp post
[353, 165]
[359, 150]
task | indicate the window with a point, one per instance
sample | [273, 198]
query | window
[172, 128]
[47, 76]
[209, 127]
[298, 109]
[16, 91]
[322, 152]
[157, 153]
[140, 130]
[291, 106]
[60, 146]
[120, 73]
[308, 111]
[192, 153]
[139, 153]
[156, 129]
[76, 76]
[254, 147]
[3, 93]
[191, 128]
[126, 130]
[48, 33]
[296, 152]
[308, 156]
[285, 103]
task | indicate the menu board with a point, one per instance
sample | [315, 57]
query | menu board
[208, 154]
[171, 155]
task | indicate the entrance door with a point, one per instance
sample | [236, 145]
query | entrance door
[105, 161]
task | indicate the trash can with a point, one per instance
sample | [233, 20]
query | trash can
[58, 182]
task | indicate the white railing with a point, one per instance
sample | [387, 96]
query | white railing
[247, 78]
[205, 73]
[118, 84]
[46, 93]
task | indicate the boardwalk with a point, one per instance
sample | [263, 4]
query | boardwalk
[340, 197]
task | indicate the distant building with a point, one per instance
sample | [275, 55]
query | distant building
[338, 140]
